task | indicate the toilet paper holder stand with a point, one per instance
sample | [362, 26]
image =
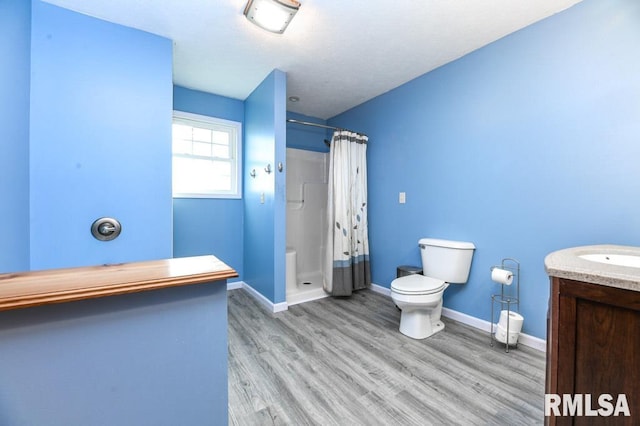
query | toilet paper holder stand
[508, 298]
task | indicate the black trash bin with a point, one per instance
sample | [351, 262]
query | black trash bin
[404, 270]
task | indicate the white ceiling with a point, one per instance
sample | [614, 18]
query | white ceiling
[336, 53]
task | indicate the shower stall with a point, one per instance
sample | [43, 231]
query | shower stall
[306, 216]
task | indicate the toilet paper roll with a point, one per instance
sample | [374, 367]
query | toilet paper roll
[501, 336]
[515, 321]
[502, 276]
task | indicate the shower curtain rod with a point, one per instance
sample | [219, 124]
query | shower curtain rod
[307, 123]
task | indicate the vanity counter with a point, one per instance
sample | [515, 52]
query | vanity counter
[21, 290]
[569, 264]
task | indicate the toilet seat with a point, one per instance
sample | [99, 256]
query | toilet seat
[417, 285]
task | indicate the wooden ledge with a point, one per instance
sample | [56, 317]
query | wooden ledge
[21, 290]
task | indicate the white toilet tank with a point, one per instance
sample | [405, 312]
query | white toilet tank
[449, 261]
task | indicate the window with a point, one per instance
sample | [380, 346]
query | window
[206, 157]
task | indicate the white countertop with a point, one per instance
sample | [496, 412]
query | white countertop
[568, 264]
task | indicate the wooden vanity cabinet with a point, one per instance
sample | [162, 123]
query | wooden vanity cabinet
[593, 347]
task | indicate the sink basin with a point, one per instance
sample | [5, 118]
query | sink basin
[613, 259]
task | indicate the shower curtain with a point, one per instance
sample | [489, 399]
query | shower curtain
[346, 263]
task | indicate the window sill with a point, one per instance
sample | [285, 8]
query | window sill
[210, 196]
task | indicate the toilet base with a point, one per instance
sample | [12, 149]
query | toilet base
[418, 325]
[420, 316]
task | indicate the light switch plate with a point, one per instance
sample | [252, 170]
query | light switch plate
[402, 197]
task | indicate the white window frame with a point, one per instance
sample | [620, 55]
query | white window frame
[236, 152]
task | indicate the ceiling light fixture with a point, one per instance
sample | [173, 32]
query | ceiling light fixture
[271, 15]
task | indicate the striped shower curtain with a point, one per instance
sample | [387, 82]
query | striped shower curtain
[346, 263]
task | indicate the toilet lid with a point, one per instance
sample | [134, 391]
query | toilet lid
[417, 284]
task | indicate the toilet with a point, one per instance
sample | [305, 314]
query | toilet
[419, 297]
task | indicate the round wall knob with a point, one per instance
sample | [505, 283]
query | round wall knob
[106, 229]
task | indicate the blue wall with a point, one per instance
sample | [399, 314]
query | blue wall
[209, 225]
[310, 138]
[264, 222]
[216, 226]
[15, 22]
[280, 195]
[101, 107]
[524, 147]
[86, 117]
[151, 358]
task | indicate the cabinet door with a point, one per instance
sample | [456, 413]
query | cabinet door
[597, 346]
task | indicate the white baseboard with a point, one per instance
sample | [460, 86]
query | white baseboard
[234, 285]
[533, 342]
[268, 304]
[474, 322]
[279, 307]
[382, 290]
[524, 339]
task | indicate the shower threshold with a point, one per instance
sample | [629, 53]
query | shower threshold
[307, 289]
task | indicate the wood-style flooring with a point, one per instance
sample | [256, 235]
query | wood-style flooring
[342, 361]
